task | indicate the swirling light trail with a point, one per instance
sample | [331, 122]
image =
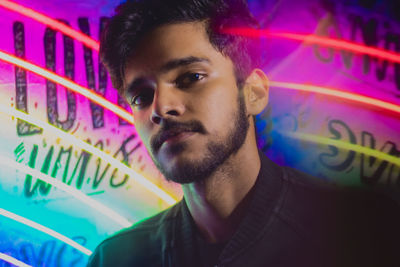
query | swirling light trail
[315, 39]
[255, 33]
[30, 13]
[98, 99]
[369, 101]
[122, 113]
[9, 163]
[344, 145]
[13, 260]
[45, 230]
[95, 151]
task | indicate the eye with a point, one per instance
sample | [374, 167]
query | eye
[142, 99]
[188, 79]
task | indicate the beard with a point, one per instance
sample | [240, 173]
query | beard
[217, 152]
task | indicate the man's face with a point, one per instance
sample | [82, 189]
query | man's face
[187, 108]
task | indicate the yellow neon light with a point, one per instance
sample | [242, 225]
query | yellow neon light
[337, 93]
[344, 145]
[7, 162]
[94, 150]
[122, 113]
[45, 230]
[13, 260]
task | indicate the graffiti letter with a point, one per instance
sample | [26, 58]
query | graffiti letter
[113, 175]
[52, 102]
[323, 28]
[84, 157]
[46, 253]
[97, 111]
[369, 35]
[372, 169]
[394, 174]
[390, 39]
[23, 128]
[97, 180]
[58, 165]
[102, 70]
[44, 188]
[123, 149]
[335, 151]
[60, 260]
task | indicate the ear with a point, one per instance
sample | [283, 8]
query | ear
[256, 90]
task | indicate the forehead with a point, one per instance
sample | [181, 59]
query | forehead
[171, 42]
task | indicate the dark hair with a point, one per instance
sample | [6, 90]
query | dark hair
[136, 18]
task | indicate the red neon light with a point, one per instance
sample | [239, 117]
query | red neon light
[314, 39]
[30, 13]
[255, 33]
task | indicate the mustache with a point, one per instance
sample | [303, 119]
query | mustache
[172, 128]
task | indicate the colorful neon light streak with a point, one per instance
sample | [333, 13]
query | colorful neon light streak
[68, 84]
[314, 39]
[344, 145]
[338, 94]
[13, 260]
[30, 13]
[256, 33]
[128, 116]
[45, 230]
[92, 149]
[7, 162]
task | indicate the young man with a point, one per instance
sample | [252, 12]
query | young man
[194, 92]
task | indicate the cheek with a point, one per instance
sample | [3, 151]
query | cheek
[143, 127]
[217, 106]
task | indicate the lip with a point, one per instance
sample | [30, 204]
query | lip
[178, 138]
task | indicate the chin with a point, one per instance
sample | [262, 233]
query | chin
[184, 170]
[181, 170]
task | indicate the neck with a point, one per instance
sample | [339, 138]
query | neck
[217, 204]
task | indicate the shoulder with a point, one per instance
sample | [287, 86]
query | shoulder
[307, 194]
[313, 192]
[140, 244]
[346, 219]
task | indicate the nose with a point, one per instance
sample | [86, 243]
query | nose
[167, 104]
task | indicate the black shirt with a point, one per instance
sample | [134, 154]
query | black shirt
[208, 253]
[293, 219]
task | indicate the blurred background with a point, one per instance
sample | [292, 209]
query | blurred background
[73, 170]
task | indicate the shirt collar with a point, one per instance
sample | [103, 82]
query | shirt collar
[266, 191]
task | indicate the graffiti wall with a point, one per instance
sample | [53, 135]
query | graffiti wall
[73, 170]
[334, 110]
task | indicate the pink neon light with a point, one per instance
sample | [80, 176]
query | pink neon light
[314, 39]
[255, 33]
[368, 101]
[89, 42]
[122, 113]
[128, 116]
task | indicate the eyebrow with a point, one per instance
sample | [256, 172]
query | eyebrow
[135, 83]
[180, 62]
[170, 65]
